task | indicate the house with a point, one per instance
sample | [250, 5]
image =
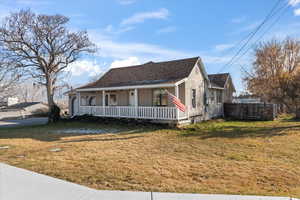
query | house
[23, 110]
[8, 101]
[140, 92]
[247, 98]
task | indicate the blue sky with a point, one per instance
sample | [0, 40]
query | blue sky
[136, 31]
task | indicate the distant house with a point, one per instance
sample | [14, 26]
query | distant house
[140, 92]
[247, 98]
[23, 110]
[8, 101]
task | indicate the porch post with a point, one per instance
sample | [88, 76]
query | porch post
[103, 102]
[79, 99]
[136, 101]
[177, 95]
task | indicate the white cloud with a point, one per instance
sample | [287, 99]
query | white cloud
[294, 2]
[211, 59]
[81, 67]
[223, 47]
[126, 2]
[283, 31]
[167, 29]
[125, 62]
[238, 20]
[110, 29]
[297, 12]
[247, 28]
[110, 48]
[142, 16]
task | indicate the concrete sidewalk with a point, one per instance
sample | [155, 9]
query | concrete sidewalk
[17, 184]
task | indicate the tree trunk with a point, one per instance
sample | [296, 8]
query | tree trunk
[54, 110]
[298, 113]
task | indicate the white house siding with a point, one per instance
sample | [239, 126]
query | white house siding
[181, 88]
[123, 97]
[195, 81]
[228, 91]
[99, 99]
[145, 97]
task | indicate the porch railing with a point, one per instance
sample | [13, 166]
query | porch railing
[161, 113]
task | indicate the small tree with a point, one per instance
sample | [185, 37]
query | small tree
[276, 73]
[43, 45]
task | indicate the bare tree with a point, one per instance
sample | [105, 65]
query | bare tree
[30, 92]
[43, 45]
[276, 73]
[9, 77]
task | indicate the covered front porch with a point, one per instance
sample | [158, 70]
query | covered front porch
[138, 102]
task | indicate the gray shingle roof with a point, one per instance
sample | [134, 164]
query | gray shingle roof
[218, 80]
[153, 73]
[148, 73]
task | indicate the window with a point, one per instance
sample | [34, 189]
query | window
[205, 99]
[219, 96]
[113, 99]
[83, 101]
[211, 96]
[92, 101]
[160, 97]
[194, 98]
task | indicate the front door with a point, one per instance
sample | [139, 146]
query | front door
[74, 107]
[131, 98]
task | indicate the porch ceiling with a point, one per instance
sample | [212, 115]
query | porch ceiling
[170, 84]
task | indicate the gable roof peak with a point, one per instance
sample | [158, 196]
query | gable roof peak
[218, 80]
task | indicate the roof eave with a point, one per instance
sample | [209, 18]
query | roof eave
[203, 71]
[128, 87]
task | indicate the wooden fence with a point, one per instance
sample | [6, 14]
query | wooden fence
[250, 111]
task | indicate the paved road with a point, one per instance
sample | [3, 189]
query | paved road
[16, 184]
[23, 122]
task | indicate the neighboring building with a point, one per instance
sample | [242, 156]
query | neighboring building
[247, 98]
[139, 92]
[8, 101]
[23, 110]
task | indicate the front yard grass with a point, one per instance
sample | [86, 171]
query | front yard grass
[227, 157]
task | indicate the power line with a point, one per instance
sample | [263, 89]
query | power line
[284, 9]
[272, 13]
[248, 35]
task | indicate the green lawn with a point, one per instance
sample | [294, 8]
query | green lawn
[261, 158]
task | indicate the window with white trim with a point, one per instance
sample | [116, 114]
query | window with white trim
[92, 101]
[83, 100]
[113, 99]
[160, 97]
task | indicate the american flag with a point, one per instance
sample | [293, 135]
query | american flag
[176, 101]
